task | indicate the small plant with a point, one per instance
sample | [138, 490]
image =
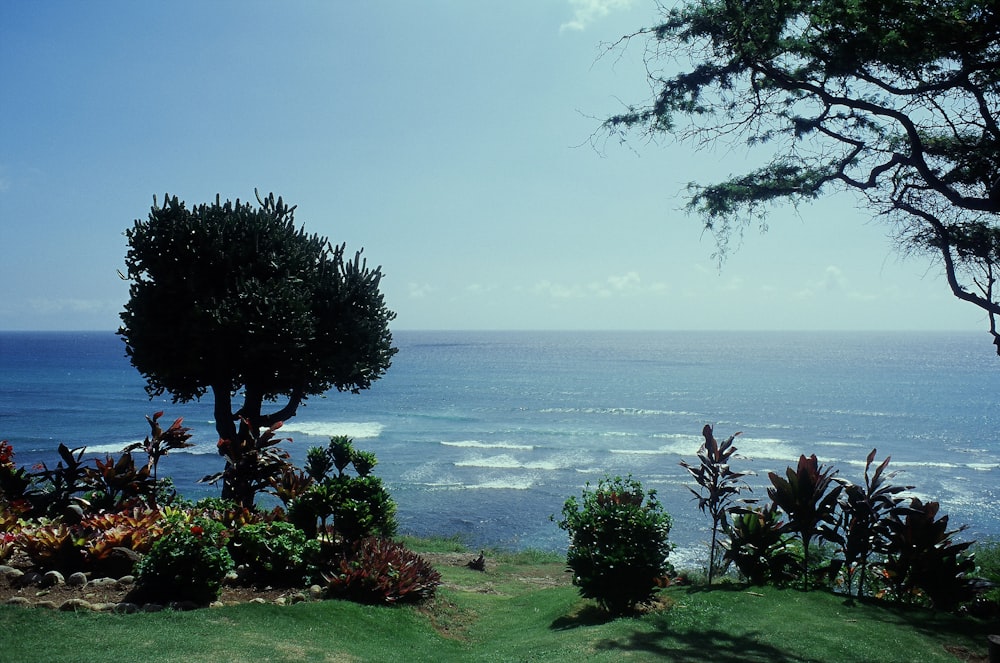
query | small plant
[187, 563]
[987, 556]
[923, 559]
[275, 553]
[253, 464]
[864, 510]
[618, 543]
[719, 487]
[808, 497]
[379, 570]
[159, 442]
[53, 546]
[115, 484]
[355, 507]
[759, 547]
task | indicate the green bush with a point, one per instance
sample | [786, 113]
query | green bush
[380, 570]
[275, 553]
[618, 543]
[187, 563]
[355, 506]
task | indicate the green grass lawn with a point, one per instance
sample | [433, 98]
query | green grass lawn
[521, 609]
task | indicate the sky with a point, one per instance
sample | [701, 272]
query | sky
[451, 139]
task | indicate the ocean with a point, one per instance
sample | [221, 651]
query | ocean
[484, 435]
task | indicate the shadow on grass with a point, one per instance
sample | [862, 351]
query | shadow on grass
[589, 615]
[699, 646]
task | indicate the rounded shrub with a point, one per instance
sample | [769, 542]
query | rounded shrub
[187, 563]
[618, 543]
[276, 552]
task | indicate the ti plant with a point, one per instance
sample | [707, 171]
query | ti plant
[159, 441]
[808, 497]
[719, 486]
[922, 557]
[253, 465]
[759, 547]
[863, 522]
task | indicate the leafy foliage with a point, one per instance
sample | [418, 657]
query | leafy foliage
[720, 487]
[896, 101]
[618, 543]
[255, 305]
[354, 506]
[379, 570]
[160, 442]
[759, 547]
[808, 498]
[923, 558]
[254, 464]
[863, 521]
[187, 563]
[275, 553]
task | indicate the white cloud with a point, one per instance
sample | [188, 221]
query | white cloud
[589, 11]
[419, 290]
[627, 284]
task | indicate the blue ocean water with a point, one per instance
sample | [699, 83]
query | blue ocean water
[485, 434]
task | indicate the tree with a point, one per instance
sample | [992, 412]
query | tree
[895, 100]
[233, 298]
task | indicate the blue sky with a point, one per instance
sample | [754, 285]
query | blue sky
[449, 138]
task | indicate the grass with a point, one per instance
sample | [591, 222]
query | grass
[521, 609]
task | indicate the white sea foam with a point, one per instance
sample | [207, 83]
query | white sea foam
[117, 448]
[476, 444]
[502, 462]
[359, 430]
[618, 411]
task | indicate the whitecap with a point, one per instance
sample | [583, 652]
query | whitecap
[476, 444]
[359, 430]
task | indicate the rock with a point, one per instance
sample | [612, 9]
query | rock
[48, 605]
[258, 601]
[299, 597]
[103, 582]
[29, 578]
[183, 606]
[316, 592]
[103, 607]
[17, 600]
[216, 604]
[11, 573]
[152, 607]
[74, 605]
[53, 578]
[126, 608]
[281, 600]
[77, 579]
[126, 581]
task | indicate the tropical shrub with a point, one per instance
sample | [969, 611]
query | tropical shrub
[987, 556]
[159, 442]
[759, 548]
[355, 507]
[187, 563]
[53, 546]
[618, 543]
[864, 510]
[115, 541]
[719, 487]
[254, 463]
[379, 570]
[276, 553]
[923, 561]
[807, 496]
